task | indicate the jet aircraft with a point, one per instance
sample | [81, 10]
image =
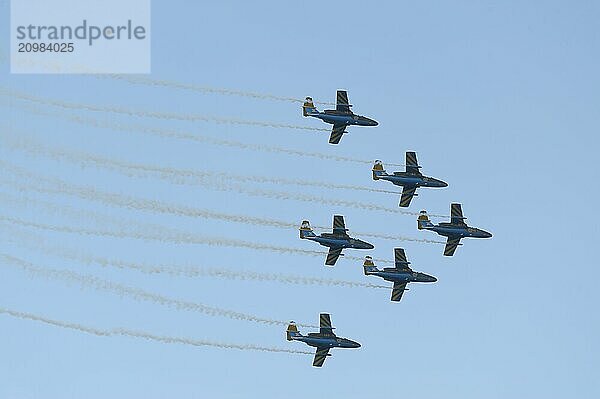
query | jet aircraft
[340, 117]
[336, 241]
[324, 340]
[455, 230]
[410, 180]
[400, 275]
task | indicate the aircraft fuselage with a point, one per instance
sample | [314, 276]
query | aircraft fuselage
[326, 341]
[336, 241]
[412, 180]
[393, 275]
[453, 230]
[343, 118]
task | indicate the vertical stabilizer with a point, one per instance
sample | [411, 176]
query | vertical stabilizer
[369, 267]
[306, 230]
[292, 331]
[423, 221]
[378, 170]
[308, 107]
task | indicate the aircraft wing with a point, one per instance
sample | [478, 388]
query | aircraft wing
[456, 215]
[332, 256]
[397, 291]
[337, 132]
[400, 259]
[320, 356]
[341, 102]
[451, 246]
[325, 324]
[408, 193]
[339, 227]
[411, 163]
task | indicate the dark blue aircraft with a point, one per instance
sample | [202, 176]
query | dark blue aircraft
[400, 275]
[340, 117]
[410, 180]
[336, 241]
[455, 230]
[324, 340]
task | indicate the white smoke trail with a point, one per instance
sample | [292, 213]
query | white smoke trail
[398, 238]
[189, 136]
[281, 195]
[37, 243]
[154, 206]
[164, 236]
[61, 186]
[50, 208]
[113, 199]
[197, 271]
[151, 114]
[395, 164]
[138, 294]
[144, 335]
[172, 236]
[139, 80]
[21, 185]
[18, 141]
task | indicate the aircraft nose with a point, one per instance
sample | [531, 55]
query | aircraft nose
[354, 344]
[433, 279]
[443, 184]
[368, 246]
[369, 121]
[487, 234]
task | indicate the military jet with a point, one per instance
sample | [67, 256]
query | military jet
[324, 340]
[410, 180]
[400, 275]
[455, 230]
[336, 241]
[340, 117]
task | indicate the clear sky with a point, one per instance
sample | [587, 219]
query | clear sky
[500, 99]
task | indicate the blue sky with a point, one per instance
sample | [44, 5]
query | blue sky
[498, 99]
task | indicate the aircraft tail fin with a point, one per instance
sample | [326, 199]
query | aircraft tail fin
[369, 266]
[378, 170]
[308, 108]
[292, 331]
[306, 230]
[423, 221]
